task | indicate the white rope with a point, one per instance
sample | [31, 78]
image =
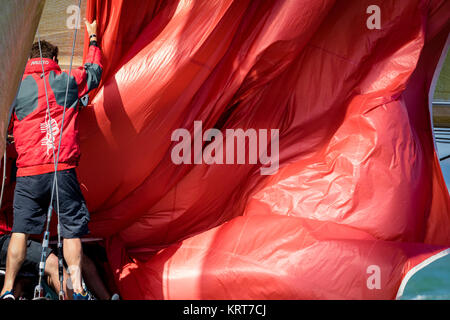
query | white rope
[4, 176]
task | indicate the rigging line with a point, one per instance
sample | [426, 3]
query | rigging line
[38, 289]
[60, 262]
[4, 177]
[64, 110]
[67, 88]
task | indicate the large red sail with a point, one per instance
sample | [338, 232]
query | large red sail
[358, 192]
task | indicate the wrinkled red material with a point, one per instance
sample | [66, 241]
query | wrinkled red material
[359, 182]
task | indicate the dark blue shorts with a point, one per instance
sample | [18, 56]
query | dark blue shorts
[32, 199]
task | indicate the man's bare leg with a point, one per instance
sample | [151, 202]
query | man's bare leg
[93, 280]
[73, 253]
[17, 250]
[51, 270]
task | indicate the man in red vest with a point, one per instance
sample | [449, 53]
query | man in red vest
[36, 136]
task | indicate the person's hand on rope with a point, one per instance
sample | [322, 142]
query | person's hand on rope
[91, 29]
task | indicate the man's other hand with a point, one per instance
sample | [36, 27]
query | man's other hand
[91, 29]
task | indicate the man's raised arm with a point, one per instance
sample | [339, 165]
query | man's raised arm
[88, 77]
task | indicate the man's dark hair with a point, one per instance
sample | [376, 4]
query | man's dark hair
[48, 50]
